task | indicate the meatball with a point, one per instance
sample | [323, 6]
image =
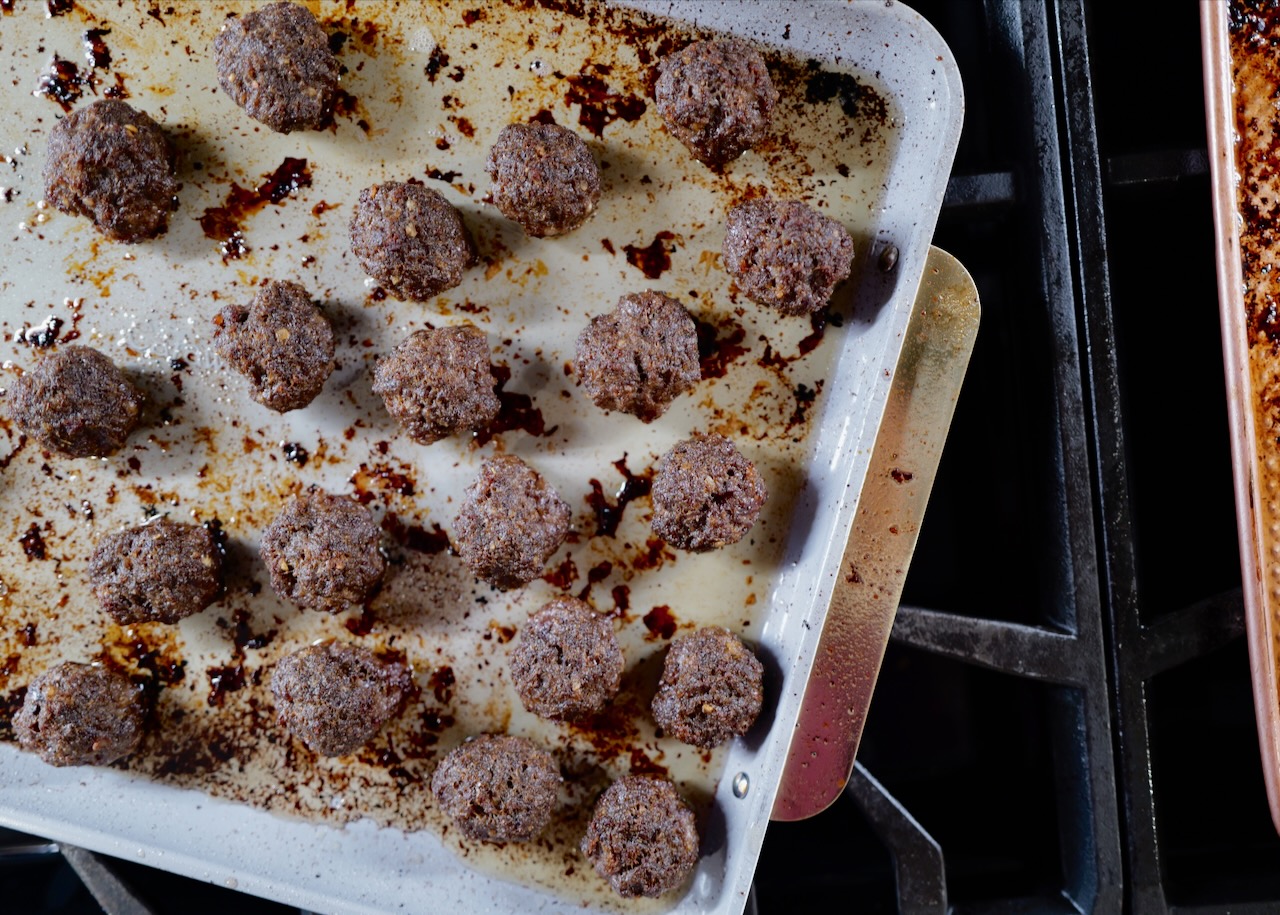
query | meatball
[642, 837]
[716, 98]
[410, 239]
[114, 165]
[322, 552]
[567, 663]
[510, 523]
[705, 494]
[336, 697]
[282, 343]
[786, 255]
[711, 688]
[76, 402]
[275, 63]
[438, 382]
[497, 788]
[80, 715]
[159, 572]
[544, 178]
[640, 356]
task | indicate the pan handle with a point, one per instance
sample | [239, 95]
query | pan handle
[926, 384]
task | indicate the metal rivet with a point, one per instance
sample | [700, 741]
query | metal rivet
[888, 258]
[741, 785]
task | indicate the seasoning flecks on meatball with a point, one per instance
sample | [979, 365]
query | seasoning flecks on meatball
[716, 98]
[76, 401]
[114, 165]
[335, 697]
[439, 382]
[322, 552]
[639, 357]
[705, 494]
[410, 239]
[275, 63]
[544, 178]
[497, 788]
[567, 662]
[785, 254]
[711, 688]
[160, 572]
[282, 343]
[510, 523]
[642, 837]
[80, 715]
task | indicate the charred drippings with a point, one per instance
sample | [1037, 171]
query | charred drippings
[58, 7]
[33, 545]
[660, 622]
[599, 104]
[515, 411]
[447, 177]
[562, 576]
[719, 347]
[224, 680]
[596, 574]
[653, 259]
[42, 335]
[441, 683]
[416, 537]
[95, 48]
[609, 514]
[295, 453]
[64, 83]
[225, 224]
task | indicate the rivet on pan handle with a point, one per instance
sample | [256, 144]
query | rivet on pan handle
[931, 369]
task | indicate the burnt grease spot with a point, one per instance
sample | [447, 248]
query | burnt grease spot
[33, 543]
[96, 50]
[608, 514]
[447, 177]
[42, 335]
[654, 258]
[295, 453]
[716, 350]
[224, 224]
[64, 83]
[414, 536]
[58, 7]
[660, 622]
[600, 104]
[516, 412]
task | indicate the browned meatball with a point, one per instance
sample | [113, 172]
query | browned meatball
[438, 382]
[282, 343]
[711, 688]
[705, 494]
[77, 402]
[80, 715]
[567, 663]
[114, 165]
[410, 239]
[786, 255]
[716, 98]
[336, 697]
[322, 552]
[275, 63]
[497, 788]
[642, 837]
[640, 356]
[544, 178]
[511, 521]
[159, 572]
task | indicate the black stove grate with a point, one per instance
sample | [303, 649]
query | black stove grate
[1064, 718]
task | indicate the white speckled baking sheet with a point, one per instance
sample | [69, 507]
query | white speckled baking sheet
[217, 791]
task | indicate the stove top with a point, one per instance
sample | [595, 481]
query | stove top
[1064, 719]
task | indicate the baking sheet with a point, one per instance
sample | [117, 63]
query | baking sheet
[801, 402]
